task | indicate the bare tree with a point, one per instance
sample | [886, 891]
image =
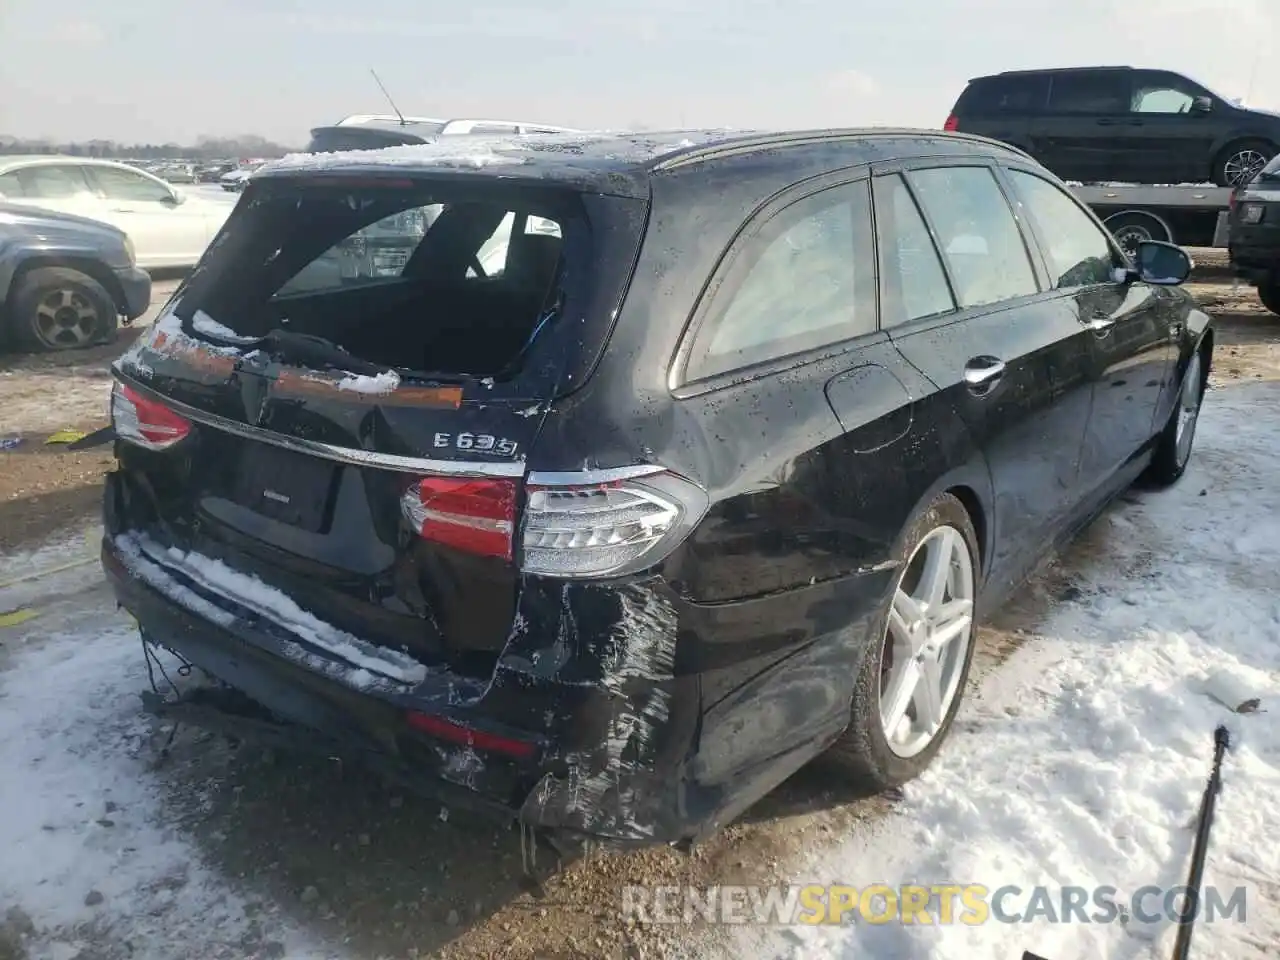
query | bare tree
[205, 148]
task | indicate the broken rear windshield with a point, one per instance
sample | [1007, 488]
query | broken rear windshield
[437, 279]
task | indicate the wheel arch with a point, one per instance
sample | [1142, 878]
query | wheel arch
[970, 483]
[1204, 347]
[973, 505]
[1238, 136]
[90, 267]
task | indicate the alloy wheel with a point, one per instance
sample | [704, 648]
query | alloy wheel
[926, 641]
[1242, 166]
[65, 318]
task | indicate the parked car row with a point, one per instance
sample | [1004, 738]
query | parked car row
[187, 171]
[234, 179]
[713, 480]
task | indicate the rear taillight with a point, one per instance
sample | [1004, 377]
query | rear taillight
[953, 123]
[145, 422]
[596, 530]
[569, 529]
[476, 515]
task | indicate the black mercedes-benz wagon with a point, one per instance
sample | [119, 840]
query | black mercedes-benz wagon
[655, 468]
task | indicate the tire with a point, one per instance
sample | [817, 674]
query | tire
[1269, 294]
[864, 751]
[57, 308]
[1173, 448]
[1130, 229]
[1239, 162]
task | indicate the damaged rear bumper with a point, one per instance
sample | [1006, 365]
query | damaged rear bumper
[603, 764]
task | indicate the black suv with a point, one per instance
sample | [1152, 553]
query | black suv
[1120, 124]
[1254, 240]
[663, 464]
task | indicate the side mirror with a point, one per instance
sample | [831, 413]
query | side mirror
[1202, 105]
[177, 198]
[1162, 264]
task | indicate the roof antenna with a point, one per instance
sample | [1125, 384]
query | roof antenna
[387, 95]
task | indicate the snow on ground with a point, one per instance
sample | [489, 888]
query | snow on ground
[1084, 759]
[88, 854]
[1081, 762]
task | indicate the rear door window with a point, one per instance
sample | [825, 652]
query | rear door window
[1089, 92]
[913, 282]
[126, 185]
[53, 182]
[979, 238]
[802, 280]
[1005, 96]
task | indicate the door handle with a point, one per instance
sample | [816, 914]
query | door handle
[1106, 122]
[1101, 322]
[982, 373]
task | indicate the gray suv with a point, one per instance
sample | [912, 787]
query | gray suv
[65, 281]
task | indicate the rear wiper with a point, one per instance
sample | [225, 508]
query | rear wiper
[312, 351]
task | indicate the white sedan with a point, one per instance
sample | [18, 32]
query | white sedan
[168, 227]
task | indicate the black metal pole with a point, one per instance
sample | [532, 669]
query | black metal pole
[1190, 905]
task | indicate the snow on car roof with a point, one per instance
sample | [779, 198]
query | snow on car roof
[572, 157]
[605, 148]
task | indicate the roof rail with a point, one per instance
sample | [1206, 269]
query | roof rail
[750, 143]
[358, 118]
[521, 126]
[1015, 73]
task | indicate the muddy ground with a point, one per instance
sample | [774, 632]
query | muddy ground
[393, 876]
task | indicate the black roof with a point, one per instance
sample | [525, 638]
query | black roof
[1043, 70]
[617, 163]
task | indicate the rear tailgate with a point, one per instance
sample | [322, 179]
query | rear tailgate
[381, 498]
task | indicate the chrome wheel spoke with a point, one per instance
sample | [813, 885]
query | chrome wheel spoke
[906, 609]
[954, 619]
[903, 683]
[936, 572]
[928, 698]
[900, 625]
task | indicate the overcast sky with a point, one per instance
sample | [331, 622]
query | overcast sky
[170, 70]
